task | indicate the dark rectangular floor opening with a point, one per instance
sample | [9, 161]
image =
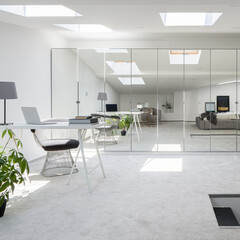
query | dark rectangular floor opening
[227, 209]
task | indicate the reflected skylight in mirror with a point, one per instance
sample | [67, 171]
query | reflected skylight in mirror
[85, 28]
[124, 67]
[228, 82]
[189, 18]
[133, 81]
[162, 165]
[184, 56]
[40, 10]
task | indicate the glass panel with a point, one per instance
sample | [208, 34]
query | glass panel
[118, 68]
[144, 101]
[64, 83]
[223, 93]
[238, 100]
[91, 80]
[197, 96]
[91, 83]
[170, 100]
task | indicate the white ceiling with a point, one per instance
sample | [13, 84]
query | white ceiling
[140, 20]
[159, 74]
[134, 19]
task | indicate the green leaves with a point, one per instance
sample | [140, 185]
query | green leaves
[5, 186]
[126, 122]
[9, 164]
[4, 133]
[2, 200]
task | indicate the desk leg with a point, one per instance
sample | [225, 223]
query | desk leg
[73, 166]
[135, 123]
[99, 157]
[138, 121]
[84, 161]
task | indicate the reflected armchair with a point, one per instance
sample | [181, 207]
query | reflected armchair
[106, 132]
[150, 115]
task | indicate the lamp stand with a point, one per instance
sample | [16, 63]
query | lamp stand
[101, 105]
[5, 113]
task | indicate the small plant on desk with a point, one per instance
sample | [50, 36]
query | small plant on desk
[13, 165]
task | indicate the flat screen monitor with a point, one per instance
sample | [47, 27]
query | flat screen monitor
[111, 107]
[209, 106]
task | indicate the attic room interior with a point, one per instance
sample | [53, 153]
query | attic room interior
[119, 120]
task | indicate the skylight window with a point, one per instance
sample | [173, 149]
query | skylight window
[87, 28]
[223, 83]
[133, 81]
[111, 50]
[40, 10]
[189, 19]
[124, 67]
[184, 57]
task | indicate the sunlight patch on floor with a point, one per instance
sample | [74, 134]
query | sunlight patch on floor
[167, 147]
[162, 165]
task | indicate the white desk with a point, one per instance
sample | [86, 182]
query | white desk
[136, 121]
[65, 125]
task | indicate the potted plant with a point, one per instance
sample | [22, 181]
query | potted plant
[167, 105]
[125, 124]
[12, 165]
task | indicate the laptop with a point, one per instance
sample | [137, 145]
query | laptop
[31, 116]
[111, 108]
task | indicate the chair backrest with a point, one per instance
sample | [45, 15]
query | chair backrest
[113, 119]
[44, 134]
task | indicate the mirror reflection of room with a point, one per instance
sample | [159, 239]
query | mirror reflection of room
[150, 99]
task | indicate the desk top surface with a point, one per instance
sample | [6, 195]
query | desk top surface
[58, 125]
[121, 112]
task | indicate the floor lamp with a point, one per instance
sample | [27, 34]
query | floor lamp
[103, 97]
[7, 91]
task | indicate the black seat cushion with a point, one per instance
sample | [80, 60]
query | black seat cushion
[59, 144]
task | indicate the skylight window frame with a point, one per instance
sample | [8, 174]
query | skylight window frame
[186, 57]
[22, 10]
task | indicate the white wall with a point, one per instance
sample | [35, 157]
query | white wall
[64, 83]
[64, 74]
[25, 60]
[90, 86]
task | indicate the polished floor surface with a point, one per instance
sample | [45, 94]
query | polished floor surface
[144, 196]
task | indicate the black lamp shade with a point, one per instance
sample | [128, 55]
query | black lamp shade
[8, 90]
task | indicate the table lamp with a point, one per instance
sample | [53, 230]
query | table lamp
[102, 96]
[7, 91]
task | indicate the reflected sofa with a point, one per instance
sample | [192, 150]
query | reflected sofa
[226, 124]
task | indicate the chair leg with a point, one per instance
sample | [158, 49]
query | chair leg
[45, 163]
[114, 140]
